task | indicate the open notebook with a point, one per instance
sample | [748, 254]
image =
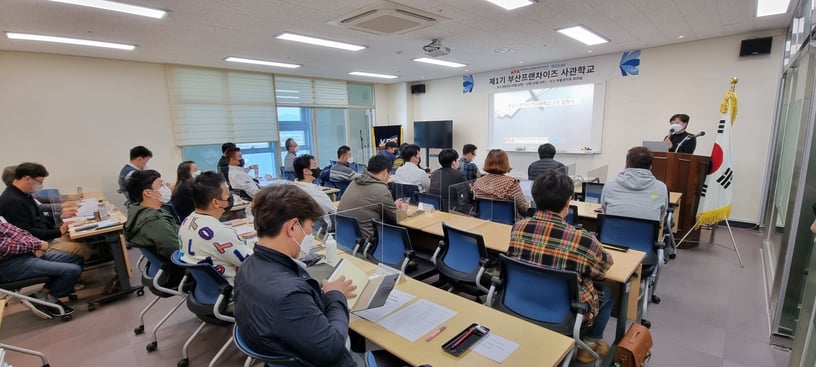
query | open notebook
[372, 291]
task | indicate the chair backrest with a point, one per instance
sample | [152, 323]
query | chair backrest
[434, 200]
[287, 175]
[342, 186]
[635, 233]
[541, 295]
[592, 192]
[399, 191]
[572, 215]
[500, 211]
[347, 232]
[460, 198]
[357, 167]
[282, 360]
[208, 282]
[392, 243]
[461, 256]
[154, 261]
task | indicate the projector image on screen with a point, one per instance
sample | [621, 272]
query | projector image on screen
[435, 48]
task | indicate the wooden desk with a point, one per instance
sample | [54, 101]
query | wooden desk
[537, 346]
[626, 271]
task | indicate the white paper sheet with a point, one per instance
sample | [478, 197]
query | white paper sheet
[495, 347]
[417, 319]
[395, 300]
[87, 208]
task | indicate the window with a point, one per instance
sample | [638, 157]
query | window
[207, 156]
[295, 123]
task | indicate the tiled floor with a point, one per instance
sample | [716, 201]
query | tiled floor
[713, 314]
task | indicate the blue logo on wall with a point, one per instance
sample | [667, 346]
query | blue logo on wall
[630, 61]
[467, 83]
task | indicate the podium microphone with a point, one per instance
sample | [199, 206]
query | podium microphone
[671, 131]
[701, 133]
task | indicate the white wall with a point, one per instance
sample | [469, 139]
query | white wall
[80, 116]
[686, 78]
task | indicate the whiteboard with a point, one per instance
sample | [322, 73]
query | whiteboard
[569, 117]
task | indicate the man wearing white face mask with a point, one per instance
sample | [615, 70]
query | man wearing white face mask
[18, 206]
[678, 136]
[148, 225]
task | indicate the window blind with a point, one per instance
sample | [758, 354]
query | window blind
[308, 92]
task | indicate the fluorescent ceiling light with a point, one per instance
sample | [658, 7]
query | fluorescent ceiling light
[771, 7]
[512, 4]
[120, 7]
[372, 75]
[440, 62]
[71, 41]
[582, 34]
[262, 62]
[319, 42]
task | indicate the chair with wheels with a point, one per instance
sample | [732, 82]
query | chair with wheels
[392, 246]
[208, 298]
[500, 211]
[41, 355]
[281, 360]
[434, 200]
[161, 277]
[461, 259]
[12, 289]
[641, 235]
[348, 234]
[545, 296]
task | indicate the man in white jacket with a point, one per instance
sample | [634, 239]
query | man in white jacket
[238, 177]
[635, 192]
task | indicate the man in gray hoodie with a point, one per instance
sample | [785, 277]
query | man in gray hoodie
[635, 192]
[368, 196]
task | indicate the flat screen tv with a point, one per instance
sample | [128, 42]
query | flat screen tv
[434, 134]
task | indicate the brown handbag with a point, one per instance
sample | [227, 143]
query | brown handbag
[635, 349]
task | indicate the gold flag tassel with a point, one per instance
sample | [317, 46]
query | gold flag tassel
[730, 100]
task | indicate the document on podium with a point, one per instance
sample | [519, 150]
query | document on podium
[416, 320]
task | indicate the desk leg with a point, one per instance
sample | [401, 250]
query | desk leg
[121, 265]
[623, 301]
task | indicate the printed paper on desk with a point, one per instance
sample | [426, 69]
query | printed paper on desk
[416, 320]
[87, 208]
[395, 300]
[495, 347]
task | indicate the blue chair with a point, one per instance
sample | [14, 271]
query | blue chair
[392, 246]
[357, 167]
[282, 360]
[208, 299]
[348, 234]
[461, 259]
[500, 211]
[287, 175]
[342, 186]
[591, 192]
[544, 296]
[161, 278]
[641, 235]
[572, 215]
[434, 200]
[399, 191]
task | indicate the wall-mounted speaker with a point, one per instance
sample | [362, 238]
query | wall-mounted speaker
[418, 89]
[756, 46]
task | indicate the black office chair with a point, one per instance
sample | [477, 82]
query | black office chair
[392, 246]
[12, 289]
[544, 296]
[641, 235]
[461, 259]
[162, 278]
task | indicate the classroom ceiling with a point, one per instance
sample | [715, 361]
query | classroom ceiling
[204, 32]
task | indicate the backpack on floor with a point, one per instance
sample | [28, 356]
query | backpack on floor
[635, 349]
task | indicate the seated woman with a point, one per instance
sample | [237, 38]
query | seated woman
[182, 199]
[496, 185]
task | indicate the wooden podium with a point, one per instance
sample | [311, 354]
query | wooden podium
[684, 173]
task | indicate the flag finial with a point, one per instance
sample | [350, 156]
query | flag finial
[734, 81]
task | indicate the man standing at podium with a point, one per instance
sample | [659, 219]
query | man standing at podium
[679, 140]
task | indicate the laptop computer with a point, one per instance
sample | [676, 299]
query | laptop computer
[656, 146]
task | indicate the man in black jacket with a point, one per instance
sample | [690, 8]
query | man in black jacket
[19, 208]
[546, 153]
[448, 174]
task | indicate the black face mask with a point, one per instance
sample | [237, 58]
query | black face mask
[316, 172]
[241, 162]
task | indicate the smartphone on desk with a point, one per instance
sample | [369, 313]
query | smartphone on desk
[465, 339]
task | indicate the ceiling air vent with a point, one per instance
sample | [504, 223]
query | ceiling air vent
[386, 17]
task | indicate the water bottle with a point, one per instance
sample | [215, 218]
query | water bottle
[103, 210]
[80, 193]
[248, 214]
[331, 250]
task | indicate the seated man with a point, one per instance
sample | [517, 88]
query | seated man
[447, 175]
[341, 171]
[369, 196]
[223, 162]
[635, 192]
[23, 256]
[410, 173]
[291, 153]
[18, 206]
[148, 225]
[203, 237]
[278, 307]
[139, 156]
[305, 169]
[238, 177]
[546, 240]
[390, 151]
[545, 161]
[466, 164]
